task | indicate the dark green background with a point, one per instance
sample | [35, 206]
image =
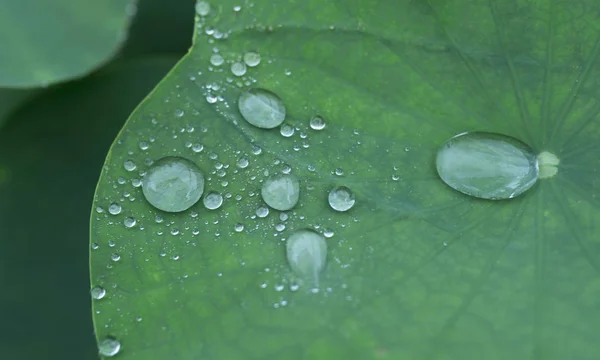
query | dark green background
[52, 146]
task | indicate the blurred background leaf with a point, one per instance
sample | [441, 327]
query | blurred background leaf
[44, 42]
[52, 145]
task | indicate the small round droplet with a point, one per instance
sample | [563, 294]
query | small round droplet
[109, 347]
[114, 209]
[115, 257]
[317, 123]
[262, 108]
[129, 222]
[239, 227]
[281, 192]
[129, 165]
[306, 253]
[212, 200]
[487, 165]
[286, 130]
[341, 199]
[98, 293]
[216, 59]
[242, 163]
[238, 68]
[262, 212]
[202, 8]
[173, 184]
[252, 58]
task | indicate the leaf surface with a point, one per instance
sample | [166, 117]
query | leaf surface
[415, 270]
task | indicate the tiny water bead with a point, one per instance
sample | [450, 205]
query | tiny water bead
[252, 58]
[306, 253]
[129, 222]
[487, 165]
[286, 130]
[317, 123]
[202, 8]
[109, 347]
[216, 59]
[548, 164]
[173, 184]
[341, 198]
[114, 209]
[98, 293]
[129, 165]
[238, 69]
[281, 192]
[262, 108]
[212, 200]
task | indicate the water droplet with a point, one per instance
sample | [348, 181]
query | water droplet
[306, 253]
[341, 199]
[216, 59]
[238, 227]
[212, 200]
[339, 172]
[487, 165]
[252, 58]
[109, 347]
[129, 165]
[144, 145]
[261, 108]
[197, 148]
[238, 68]
[115, 257]
[202, 8]
[129, 222]
[114, 209]
[242, 163]
[548, 163]
[173, 184]
[281, 192]
[286, 130]
[262, 211]
[328, 233]
[317, 123]
[98, 293]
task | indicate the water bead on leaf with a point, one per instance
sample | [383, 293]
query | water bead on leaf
[173, 184]
[261, 108]
[306, 253]
[487, 165]
[281, 192]
[341, 199]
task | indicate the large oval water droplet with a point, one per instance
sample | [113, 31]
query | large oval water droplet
[306, 253]
[281, 192]
[487, 165]
[109, 347]
[173, 184]
[341, 199]
[261, 108]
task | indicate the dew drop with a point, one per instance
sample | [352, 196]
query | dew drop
[238, 227]
[262, 212]
[197, 148]
[202, 8]
[109, 347]
[262, 108]
[217, 59]
[212, 200]
[317, 123]
[238, 68]
[173, 184]
[129, 165]
[98, 293]
[281, 192]
[129, 222]
[115, 257]
[286, 130]
[306, 253]
[487, 165]
[114, 209]
[341, 199]
[242, 163]
[252, 58]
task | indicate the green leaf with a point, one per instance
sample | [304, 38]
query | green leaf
[51, 151]
[45, 42]
[415, 270]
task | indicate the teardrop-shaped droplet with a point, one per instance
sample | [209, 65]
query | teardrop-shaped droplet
[281, 192]
[261, 108]
[109, 347]
[306, 253]
[341, 198]
[487, 165]
[173, 184]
